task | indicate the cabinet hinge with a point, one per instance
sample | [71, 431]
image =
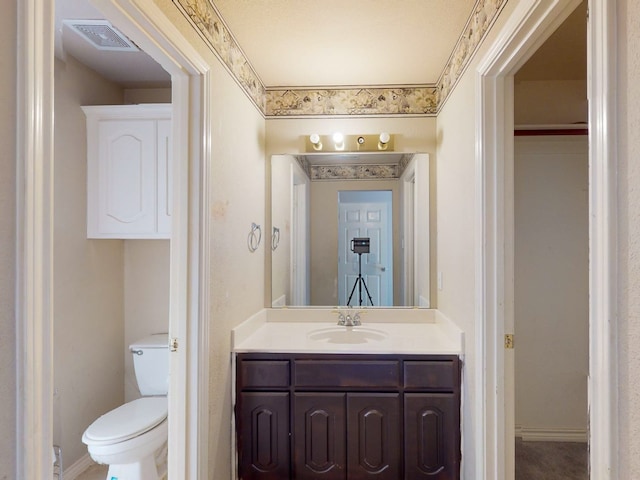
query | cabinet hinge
[173, 344]
[508, 341]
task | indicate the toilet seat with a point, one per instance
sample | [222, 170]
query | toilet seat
[127, 421]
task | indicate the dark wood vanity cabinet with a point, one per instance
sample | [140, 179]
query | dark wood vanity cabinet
[348, 417]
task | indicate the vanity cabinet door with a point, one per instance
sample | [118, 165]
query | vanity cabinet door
[263, 440]
[432, 436]
[319, 436]
[373, 436]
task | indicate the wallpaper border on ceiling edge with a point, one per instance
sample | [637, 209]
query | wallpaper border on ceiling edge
[207, 21]
[422, 100]
[484, 15]
[352, 101]
[354, 172]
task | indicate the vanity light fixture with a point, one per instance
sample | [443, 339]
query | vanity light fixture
[314, 138]
[338, 142]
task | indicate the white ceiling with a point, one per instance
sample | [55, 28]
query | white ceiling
[354, 42]
[130, 69]
[333, 42]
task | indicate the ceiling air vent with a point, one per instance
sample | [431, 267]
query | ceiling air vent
[102, 35]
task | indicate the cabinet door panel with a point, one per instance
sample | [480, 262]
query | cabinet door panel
[319, 436]
[127, 163]
[263, 441]
[373, 436]
[432, 433]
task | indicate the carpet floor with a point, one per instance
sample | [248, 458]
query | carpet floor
[551, 461]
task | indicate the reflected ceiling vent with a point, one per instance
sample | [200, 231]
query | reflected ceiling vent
[102, 35]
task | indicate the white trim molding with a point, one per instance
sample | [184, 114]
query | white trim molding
[34, 212]
[530, 434]
[603, 228]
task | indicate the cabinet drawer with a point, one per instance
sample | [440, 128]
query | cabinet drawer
[347, 373]
[431, 375]
[263, 373]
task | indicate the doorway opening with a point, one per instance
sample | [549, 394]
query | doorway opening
[526, 29]
[365, 278]
[188, 262]
[551, 256]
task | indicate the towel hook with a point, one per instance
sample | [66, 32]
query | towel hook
[254, 238]
[275, 238]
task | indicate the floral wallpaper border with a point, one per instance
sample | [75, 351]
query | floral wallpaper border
[402, 100]
[206, 19]
[354, 172]
[421, 100]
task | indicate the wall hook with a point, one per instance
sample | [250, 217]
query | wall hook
[275, 238]
[254, 238]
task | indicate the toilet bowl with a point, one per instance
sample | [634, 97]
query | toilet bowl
[132, 439]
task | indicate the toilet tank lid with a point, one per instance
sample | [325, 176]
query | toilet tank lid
[127, 421]
[157, 340]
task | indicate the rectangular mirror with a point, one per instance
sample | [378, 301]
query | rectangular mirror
[320, 203]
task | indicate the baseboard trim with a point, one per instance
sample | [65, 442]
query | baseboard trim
[78, 467]
[551, 434]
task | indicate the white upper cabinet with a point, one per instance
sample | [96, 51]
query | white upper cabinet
[129, 171]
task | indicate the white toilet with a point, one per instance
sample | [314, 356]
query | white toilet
[132, 439]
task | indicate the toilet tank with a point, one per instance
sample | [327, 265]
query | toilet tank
[151, 364]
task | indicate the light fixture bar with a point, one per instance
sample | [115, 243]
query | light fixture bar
[337, 142]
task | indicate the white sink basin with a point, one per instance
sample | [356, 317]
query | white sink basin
[347, 335]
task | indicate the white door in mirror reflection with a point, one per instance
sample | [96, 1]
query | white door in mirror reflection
[365, 214]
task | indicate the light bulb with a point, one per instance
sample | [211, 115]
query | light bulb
[383, 140]
[314, 138]
[338, 140]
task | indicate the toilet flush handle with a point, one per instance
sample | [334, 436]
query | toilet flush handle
[137, 352]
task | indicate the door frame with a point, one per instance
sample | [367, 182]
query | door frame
[189, 262]
[416, 269]
[531, 22]
[300, 244]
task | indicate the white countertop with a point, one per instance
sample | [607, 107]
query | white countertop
[315, 330]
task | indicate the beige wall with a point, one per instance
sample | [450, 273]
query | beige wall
[88, 274]
[237, 200]
[324, 235]
[551, 284]
[146, 299]
[455, 233]
[550, 102]
[8, 47]
[628, 88]
[147, 95]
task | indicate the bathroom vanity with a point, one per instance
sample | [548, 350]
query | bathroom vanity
[314, 400]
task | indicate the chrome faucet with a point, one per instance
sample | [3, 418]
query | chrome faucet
[345, 319]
